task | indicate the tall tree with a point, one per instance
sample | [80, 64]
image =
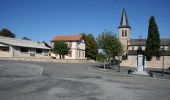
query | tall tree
[7, 33]
[91, 46]
[110, 45]
[153, 40]
[61, 48]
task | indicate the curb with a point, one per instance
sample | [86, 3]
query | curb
[91, 68]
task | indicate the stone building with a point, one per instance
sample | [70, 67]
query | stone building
[76, 44]
[12, 47]
[131, 45]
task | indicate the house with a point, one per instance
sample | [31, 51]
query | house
[12, 47]
[131, 45]
[76, 44]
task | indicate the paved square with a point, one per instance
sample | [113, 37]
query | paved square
[74, 82]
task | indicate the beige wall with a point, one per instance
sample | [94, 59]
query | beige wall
[77, 50]
[132, 62]
[15, 52]
[143, 47]
[128, 33]
[124, 40]
[18, 53]
[4, 54]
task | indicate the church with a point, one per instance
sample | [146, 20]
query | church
[131, 46]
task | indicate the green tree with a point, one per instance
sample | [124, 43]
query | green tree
[61, 48]
[26, 38]
[100, 57]
[7, 33]
[153, 40]
[91, 46]
[110, 45]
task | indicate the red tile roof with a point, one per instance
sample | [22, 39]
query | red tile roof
[67, 38]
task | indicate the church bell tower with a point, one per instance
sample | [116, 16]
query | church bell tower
[124, 31]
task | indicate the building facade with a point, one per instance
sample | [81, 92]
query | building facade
[76, 44]
[12, 47]
[131, 45]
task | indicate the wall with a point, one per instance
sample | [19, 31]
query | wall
[81, 50]
[132, 62]
[143, 47]
[75, 49]
[47, 60]
[124, 40]
[18, 53]
[5, 53]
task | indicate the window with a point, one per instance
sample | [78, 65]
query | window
[70, 54]
[24, 49]
[122, 33]
[38, 50]
[125, 33]
[4, 48]
[83, 54]
[70, 44]
[79, 53]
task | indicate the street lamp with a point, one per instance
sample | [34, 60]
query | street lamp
[163, 49]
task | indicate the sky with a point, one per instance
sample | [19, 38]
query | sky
[42, 20]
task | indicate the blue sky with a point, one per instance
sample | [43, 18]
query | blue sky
[43, 19]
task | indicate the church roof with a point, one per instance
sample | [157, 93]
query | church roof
[135, 42]
[124, 20]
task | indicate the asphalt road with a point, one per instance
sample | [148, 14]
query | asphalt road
[74, 82]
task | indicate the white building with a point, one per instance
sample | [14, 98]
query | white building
[76, 44]
[12, 47]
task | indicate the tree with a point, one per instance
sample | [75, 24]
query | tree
[26, 38]
[7, 33]
[91, 46]
[153, 40]
[61, 48]
[100, 57]
[110, 45]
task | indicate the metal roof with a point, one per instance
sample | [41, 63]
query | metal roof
[22, 43]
